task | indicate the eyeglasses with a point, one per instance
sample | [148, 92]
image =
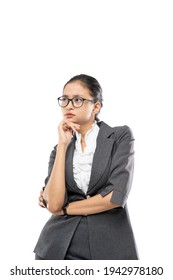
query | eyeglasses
[77, 102]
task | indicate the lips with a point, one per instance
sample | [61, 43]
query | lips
[69, 115]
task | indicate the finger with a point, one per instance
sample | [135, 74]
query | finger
[41, 193]
[41, 204]
[68, 126]
[71, 126]
[76, 127]
[40, 198]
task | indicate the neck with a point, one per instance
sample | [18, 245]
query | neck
[85, 127]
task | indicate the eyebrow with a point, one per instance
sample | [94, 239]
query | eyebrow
[76, 95]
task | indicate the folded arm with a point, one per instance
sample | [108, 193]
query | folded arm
[118, 185]
[92, 205]
[55, 190]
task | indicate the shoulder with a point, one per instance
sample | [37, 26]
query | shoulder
[52, 154]
[117, 132]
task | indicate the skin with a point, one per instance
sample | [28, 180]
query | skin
[81, 120]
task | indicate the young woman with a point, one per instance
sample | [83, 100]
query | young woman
[89, 178]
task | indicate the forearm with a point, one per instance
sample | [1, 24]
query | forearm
[54, 193]
[92, 205]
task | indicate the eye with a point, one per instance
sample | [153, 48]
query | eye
[78, 99]
[63, 98]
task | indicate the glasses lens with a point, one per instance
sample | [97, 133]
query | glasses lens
[63, 101]
[78, 102]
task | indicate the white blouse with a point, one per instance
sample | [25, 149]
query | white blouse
[82, 161]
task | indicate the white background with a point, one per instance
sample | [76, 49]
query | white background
[128, 47]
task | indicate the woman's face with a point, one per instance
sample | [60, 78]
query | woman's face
[86, 113]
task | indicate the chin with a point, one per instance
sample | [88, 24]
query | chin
[69, 118]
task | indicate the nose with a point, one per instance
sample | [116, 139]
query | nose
[70, 105]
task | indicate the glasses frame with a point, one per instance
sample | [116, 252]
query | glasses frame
[72, 101]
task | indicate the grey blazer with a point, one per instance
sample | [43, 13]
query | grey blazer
[111, 235]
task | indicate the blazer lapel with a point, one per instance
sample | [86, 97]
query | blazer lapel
[69, 162]
[69, 167]
[100, 159]
[102, 154]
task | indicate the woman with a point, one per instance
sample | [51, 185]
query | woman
[89, 178]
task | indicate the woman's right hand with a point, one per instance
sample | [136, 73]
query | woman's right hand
[66, 130]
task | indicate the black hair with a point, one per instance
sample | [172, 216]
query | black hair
[92, 85]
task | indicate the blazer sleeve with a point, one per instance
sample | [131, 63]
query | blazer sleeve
[122, 166]
[50, 166]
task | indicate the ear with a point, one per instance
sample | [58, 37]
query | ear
[97, 107]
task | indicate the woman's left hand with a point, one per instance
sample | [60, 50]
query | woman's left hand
[41, 204]
[40, 200]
